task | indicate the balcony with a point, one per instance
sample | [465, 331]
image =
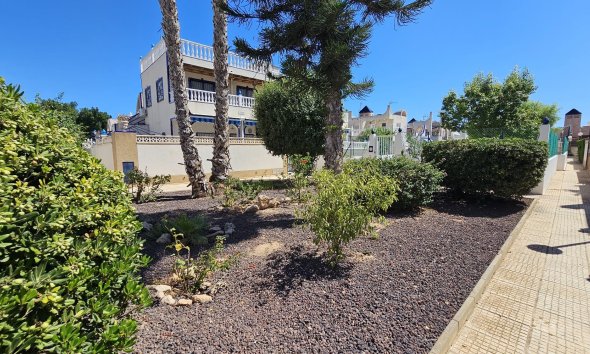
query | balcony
[209, 97]
[204, 53]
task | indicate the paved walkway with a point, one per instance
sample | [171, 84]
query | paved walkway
[538, 301]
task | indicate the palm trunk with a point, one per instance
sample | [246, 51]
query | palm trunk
[192, 161]
[333, 150]
[220, 161]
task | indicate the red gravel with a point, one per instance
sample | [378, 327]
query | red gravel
[392, 294]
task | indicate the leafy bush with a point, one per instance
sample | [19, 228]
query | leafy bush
[192, 229]
[344, 206]
[417, 181]
[302, 164]
[581, 148]
[143, 187]
[190, 272]
[69, 255]
[506, 168]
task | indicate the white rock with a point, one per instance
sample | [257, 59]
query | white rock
[163, 288]
[286, 200]
[206, 285]
[215, 229]
[202, 298]
[168, 300]
[147, 226]
[252, 209]
[184, 302]
[164, 239]
[263, 201]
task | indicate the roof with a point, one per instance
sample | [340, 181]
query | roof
[412, 120]
[573, 112]
[366, 109]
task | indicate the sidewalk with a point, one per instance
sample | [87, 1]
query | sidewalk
[538, 301]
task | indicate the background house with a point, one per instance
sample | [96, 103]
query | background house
[156, 110]
[367, 120]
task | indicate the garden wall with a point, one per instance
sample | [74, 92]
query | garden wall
[163, 155]
[549, 172]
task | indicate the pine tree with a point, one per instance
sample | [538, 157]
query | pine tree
[320, 41]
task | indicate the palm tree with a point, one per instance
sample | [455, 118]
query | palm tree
[192, 161]
[220, 161]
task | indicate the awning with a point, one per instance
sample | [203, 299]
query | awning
[234, 121]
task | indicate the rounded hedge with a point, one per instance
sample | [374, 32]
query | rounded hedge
[507, 168]
[69, 255]
[417, 182]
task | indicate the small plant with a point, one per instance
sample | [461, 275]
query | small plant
[192, 229]
[345, 205]
[190, 272]
[143, 187]
[237, 192]
[302, 164]
[298, 188]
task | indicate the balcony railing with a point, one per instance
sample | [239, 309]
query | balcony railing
[209, 97]
[205, 52]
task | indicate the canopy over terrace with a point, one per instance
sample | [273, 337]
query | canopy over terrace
[238, 127]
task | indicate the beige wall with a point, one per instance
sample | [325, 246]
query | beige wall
[104, 152]
[159, 114]
[247, 160]
[124, 150]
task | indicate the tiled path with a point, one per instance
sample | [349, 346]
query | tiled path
[538, 301]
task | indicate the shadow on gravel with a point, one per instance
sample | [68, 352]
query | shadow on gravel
[286, 271]
[487, 208]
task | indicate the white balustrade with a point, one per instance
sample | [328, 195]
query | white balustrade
[174, 140]
[209, 97]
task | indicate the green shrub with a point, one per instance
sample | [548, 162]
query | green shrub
[143, 187]
[344, 206]
[417, 181]
[506, 168]
[192, 229]
[237, 192]
[581, 147]
[69, 255]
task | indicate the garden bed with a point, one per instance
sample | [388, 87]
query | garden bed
[395, 293]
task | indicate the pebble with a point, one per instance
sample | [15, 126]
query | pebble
[202, 298]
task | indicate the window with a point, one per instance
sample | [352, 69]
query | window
[148, 96]
[245, 91]
[160, 89]
[201, 85]
[383, 125]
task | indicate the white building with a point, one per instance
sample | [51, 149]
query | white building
[367, 120]
[156, 110]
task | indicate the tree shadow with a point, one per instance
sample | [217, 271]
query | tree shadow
[286, 271]
[554, 249]
[489, 206]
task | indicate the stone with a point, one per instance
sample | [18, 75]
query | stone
[214, 228]
[160, 290]
[286, 200]
[168, 300]
[214, 234]
[251, 209]
[206, 285]
[202, 298]
[273, 203]
[147, 226]
[229, 228]
[164, 239]
[263, 202]
[184, 302]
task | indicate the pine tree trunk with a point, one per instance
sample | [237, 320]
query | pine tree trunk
[192, 160]
[220, 161]
[333, 150]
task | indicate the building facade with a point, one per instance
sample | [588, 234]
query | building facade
[155, 107]
[573, 124]
[368, 120]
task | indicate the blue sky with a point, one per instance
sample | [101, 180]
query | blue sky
[90, 50]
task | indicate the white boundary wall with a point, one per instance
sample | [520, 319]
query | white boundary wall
[541, 188]
[167, 159]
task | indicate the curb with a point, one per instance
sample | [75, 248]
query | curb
[447, 337]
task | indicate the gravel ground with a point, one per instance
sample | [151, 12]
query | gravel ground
[395, 293]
